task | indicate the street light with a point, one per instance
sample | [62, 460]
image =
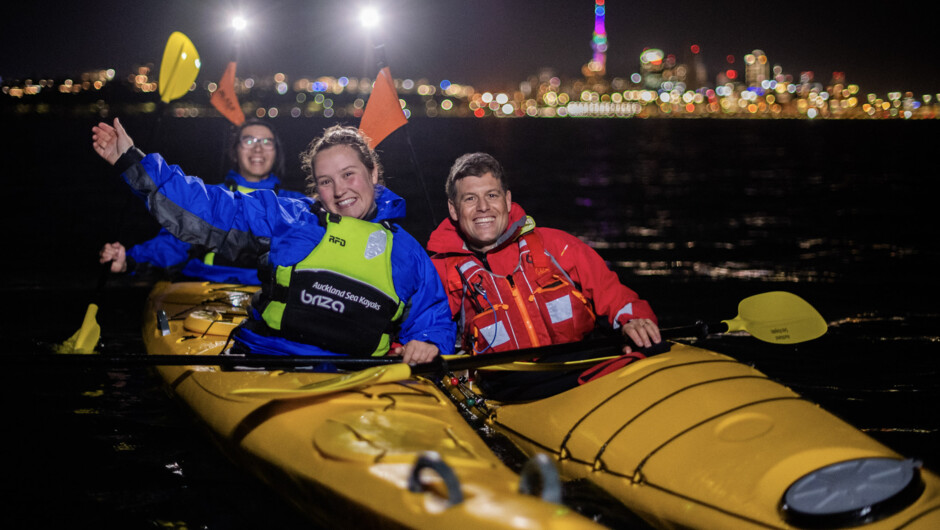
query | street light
[239, 23]
[369, 17]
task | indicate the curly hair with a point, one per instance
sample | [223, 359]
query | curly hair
[339, 135]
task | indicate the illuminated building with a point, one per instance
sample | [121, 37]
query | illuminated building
[597, 66]
[756, 68]
[651, 68]
[696, 76]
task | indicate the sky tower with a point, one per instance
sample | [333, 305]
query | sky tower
[598, 65]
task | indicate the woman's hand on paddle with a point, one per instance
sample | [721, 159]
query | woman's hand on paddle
[642, 331]
[115, 253]
[110, 142]
[416, 352]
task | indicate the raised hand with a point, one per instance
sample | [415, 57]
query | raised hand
[110, 142]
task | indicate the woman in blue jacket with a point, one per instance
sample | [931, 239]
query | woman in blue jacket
[257, 156]
[344, 278]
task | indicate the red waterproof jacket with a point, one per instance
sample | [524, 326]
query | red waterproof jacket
[516, 296]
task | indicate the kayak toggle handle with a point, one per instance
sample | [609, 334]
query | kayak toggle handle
[539, 473]
[432, 460]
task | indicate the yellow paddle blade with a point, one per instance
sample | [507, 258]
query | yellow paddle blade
[86, 338]
[778, 317]
[388, 373]
[179, 67]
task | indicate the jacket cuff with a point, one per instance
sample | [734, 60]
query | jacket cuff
[128, 159]
[131, 265]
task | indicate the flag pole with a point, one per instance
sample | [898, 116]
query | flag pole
[224, 98]
[382, 62]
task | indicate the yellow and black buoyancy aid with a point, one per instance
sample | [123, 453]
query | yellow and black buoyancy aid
[341, 297]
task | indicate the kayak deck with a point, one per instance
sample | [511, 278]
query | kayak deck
[687, 438]
[692, 438]
[349, 455]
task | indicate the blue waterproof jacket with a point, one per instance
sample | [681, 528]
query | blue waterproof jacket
[167, 252]
[217, 218]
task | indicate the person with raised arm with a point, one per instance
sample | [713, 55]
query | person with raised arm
[345, 279]
[257, 157]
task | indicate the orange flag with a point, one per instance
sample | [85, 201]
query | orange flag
[224, 98]
[383, 113]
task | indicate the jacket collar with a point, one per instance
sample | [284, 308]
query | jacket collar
[269, 183]
[446, 238]
[389, 206]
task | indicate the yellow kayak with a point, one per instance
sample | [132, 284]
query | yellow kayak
[389, 454]
[694, 439]
[685, 439]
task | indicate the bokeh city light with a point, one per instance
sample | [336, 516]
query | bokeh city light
[663, 85]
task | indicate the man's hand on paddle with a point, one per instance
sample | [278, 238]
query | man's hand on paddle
[642, 331]
[415, 352]
[110, 142]
[115, 253]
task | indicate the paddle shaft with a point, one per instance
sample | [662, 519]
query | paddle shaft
[592, 347]
[261, 362]
[257, 362]
[794, 312]
[699, 330]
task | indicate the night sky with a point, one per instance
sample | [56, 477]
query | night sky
[491, 44]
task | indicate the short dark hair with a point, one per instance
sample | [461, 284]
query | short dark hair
[278, 168]
[473, 165]
[339, 135]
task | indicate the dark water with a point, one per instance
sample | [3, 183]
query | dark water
[694, 215]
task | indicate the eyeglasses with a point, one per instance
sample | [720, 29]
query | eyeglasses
[249, 141]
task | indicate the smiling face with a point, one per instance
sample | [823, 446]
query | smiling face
[255, 162]
[481, 210]
[344, 184]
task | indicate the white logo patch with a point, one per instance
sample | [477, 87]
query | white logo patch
[378, 240]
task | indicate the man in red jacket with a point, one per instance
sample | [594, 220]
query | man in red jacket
[514, 285]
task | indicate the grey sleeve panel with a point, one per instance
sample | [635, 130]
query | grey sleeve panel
[128, 159]
[187, 226]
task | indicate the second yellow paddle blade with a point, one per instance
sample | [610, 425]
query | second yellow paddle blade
[179, 67]
[370, 376]
[86, 338]
[778, 317]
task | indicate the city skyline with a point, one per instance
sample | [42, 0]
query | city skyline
[483, 43]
